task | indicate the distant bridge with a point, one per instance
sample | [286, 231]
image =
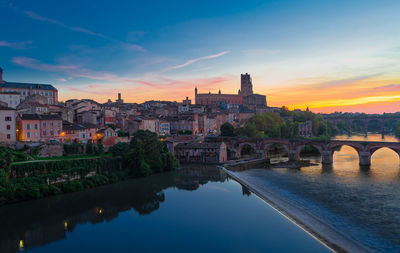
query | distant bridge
[365, 149]
[365, 119]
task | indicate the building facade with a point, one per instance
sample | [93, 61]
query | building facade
[38, 128]
[201, 152]
[244, 97]
[27, 89]
[7, 125]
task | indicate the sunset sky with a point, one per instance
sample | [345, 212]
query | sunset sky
[327, 55]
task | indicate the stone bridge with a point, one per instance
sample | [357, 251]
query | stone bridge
[365, 149]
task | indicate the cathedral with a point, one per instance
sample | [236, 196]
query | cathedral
[244, 97]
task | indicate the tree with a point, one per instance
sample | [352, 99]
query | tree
[138, 166]
[249, 130]
[122, 133]
[398, 130]
[121, 149]
[89, 148]
[227, 129]
[145, 154]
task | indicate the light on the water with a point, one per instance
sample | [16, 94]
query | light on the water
[21, 244]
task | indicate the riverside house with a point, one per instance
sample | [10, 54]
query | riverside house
[203, 152]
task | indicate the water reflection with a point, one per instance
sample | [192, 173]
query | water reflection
[385, 164]
[35, 223]
[362, 202]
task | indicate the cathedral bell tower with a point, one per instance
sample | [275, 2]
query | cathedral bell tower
[246, 87]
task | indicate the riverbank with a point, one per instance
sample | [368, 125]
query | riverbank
[327, 235]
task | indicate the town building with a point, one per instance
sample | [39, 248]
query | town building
[305, 129]
[107, 136]
[164, 128]
[38, 128]
[12, 99]
[27, 89]
[201, 152]
[184, 124]
[78, 133]
[7, 125]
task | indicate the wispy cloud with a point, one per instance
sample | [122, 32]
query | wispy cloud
[15, 45]
[38, 17]
[191, 61]
[61, 79]
[389, 87]
[95, 85]
[351, 80]
[76, 71]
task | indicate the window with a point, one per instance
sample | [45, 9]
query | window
[36, 134]
[28, 126]
[44, 124]
[8, 136]
[58, 132]
[51, 123]
[52, 132]
[8, 127]
[35, 126]
[59, 124]
[8, 118]
[44, 132]
[28, 135]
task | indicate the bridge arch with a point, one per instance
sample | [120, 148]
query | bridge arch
[395, 150]
[358, 150]
[299, 148]
[266, 148]
[242, 145]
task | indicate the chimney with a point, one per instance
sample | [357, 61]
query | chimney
[119, 96]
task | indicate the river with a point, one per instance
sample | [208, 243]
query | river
[196, 209]
[362, 203]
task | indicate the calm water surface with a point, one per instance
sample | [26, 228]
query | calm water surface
[193, 210]
[362, 203]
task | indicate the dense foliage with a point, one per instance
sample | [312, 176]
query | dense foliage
[145, 154]
[122, 133]
[36, 179]
[8, 156]
[285, 124]
[227, 129]
[80, 148]
[398, 130]
[21, 179]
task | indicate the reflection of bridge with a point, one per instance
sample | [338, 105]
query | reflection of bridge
[364, 119]
[365, 149]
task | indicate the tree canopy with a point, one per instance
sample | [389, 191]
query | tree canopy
[145, 154]
[227, 129]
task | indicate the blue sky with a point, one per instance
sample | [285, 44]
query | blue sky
[163, 49]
